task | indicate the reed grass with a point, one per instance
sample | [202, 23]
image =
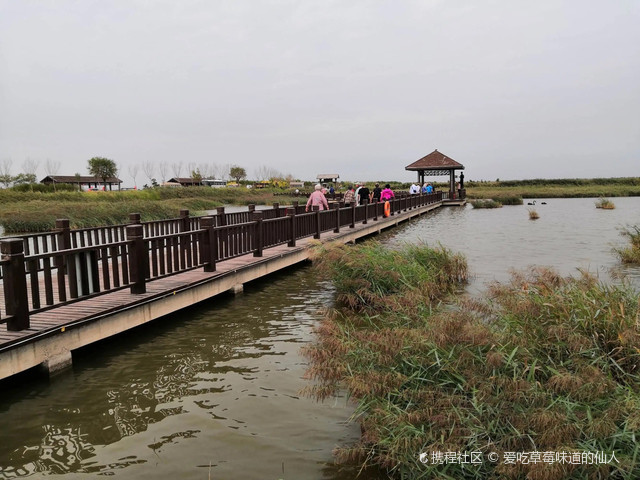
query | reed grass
[508, 199]
[533, 214]
[549, 189]
[543, 363]
[630, 254]
[486, 203]
[605, 204]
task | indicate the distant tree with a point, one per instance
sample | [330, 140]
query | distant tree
[176, 168]
[148, 168]
[133, 171]
[5, 172]
[30, 166]
[22, 178]
[51, 167]
[103, 168]
[162, 169]
[238, 173]
[214, 170]
[196, 175]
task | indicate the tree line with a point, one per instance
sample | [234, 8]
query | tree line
[155, 172]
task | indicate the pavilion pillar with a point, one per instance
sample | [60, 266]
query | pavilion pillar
[452, 184]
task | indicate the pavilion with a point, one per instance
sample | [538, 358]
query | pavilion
[437, 163]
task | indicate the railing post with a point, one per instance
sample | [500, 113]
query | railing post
[257, 217]
[316, 209]
[208, 244]
[252, 208]
[222, 217]
[366, 211]
[336, 206]
[63, 232]
[15, 284]
[184, 220]
[138, 258]
[353, 215]
[291, 213]
[134, 218]
[276, 207]
[63, 238]
[375, 210]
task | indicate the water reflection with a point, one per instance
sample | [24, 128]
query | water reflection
[215, 385]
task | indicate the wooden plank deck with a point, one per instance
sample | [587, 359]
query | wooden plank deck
[55, 320]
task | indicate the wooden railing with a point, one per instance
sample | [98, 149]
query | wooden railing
[43, 271]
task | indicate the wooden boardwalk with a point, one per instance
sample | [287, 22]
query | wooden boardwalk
[53, 333]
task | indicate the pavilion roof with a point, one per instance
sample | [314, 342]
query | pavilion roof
[435, 161]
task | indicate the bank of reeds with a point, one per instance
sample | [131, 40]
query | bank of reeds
[630, 254]
[508, 200]
[543, 364]
[605, 204]
[623, 187]
[486, 203]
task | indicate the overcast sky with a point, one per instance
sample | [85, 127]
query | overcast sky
[511, 89]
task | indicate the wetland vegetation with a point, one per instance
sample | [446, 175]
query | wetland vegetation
[539, 363]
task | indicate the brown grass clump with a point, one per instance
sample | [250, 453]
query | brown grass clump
[543, 363]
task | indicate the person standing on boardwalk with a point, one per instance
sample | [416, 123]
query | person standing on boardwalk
[375, 196]
[387, 193]
[357, 194]
[317, 198]
[364, 195]
[349, 196]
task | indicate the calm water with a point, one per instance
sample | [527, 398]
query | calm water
[213, 392]
[570, 234]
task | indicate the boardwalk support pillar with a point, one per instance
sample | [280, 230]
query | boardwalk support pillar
[208, 244]
[58, 362]
[15, 284]
[138, 257]
[257, 217]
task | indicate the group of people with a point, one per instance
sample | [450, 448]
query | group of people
[357, 194]
[414, 189]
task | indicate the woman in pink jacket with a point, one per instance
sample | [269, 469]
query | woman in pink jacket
[317, 198]
[387, 193]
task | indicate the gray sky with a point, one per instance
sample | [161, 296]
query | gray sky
[511, 89]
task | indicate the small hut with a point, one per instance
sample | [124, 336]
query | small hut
[326, 178]
[81, 180]
[435, 164]
[186, 181]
